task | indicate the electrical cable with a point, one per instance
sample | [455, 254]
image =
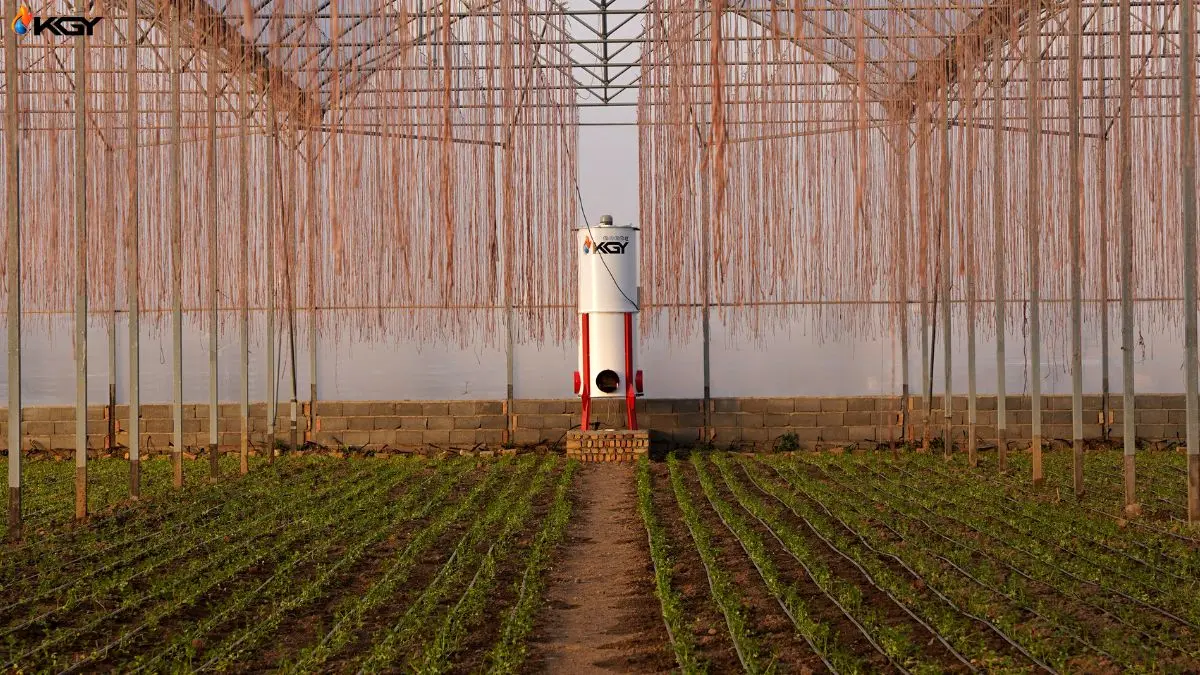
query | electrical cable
[588, 225]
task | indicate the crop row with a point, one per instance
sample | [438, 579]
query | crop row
[48, 488]
[310, 564]
[907, 564]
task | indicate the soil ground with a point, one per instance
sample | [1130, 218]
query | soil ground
[601, 614]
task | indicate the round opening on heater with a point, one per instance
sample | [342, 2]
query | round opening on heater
[607, 381]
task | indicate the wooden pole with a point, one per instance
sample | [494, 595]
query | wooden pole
[1074, 216]
[12, 140]
[969, 251]
[244, 265]
[110, 227]
[269, 288]
[705, 292]
[509, 368]
[1187, 193]
[706, 161]
[999, 251]
[1102, 195]
[312, 282]
[291, 242]
[902, 168]
[176, 255]
[110, 223]
[923, 214]
[1034, 198]
[1125, 160]
[81, 278]
[947, 324]
[214, 407]
[131, 262]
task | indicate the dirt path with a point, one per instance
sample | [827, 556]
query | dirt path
[601, 614]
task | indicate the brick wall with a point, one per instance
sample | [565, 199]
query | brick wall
[743, 421]
[607, 446]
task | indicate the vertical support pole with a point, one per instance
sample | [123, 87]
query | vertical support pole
[12, 138]
[926, 379]
[244, 265]
[132, 235]
[1102, 194]
[923, 208]
[630, 393]
[110, 441]
[294, 403]
[312, 283]
[706, 433]
[947, 269]
[1125, 160]
[214, 405]
[1187, 194]
[110, 225]
[176, 257]
[1034, 197]
[81, 278]
[509, 364]
[999, 251]
[291, 239]
[969, 251]
[269, 287]
[585, 391]
[1074, 216]
[902, 164]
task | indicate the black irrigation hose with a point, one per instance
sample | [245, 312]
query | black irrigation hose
[1114, 551]
[968, 526]
[1150, 606]
[1103, 473]
[30, 621]
[165, 539]
[870, 579]
[1004, 523]
[1134, 522]
[311, 546]
[737, 647]
[1012, 500]
[399, 567]
[994, 559]
[650, 546]
[139, 601]
[160, 516]
[433, 490]
[217, 558]
[135, 554]
[436, 591]
[994, 628]
[782, 604]
[1158, 497]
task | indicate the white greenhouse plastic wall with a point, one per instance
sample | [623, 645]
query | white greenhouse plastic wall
[781, 365]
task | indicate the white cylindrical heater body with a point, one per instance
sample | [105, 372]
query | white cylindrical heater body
[609, 282]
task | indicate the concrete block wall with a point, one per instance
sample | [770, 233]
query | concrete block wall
[53, 427]
[746, 422]
[411, 424]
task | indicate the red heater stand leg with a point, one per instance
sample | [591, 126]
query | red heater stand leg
[630, 392]
[585, 389]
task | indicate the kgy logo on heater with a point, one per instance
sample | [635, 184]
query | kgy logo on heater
[614, 247]
[62, 26]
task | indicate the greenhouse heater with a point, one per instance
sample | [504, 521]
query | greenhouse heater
[608, 316]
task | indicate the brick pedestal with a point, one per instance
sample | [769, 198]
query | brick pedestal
[608, 445]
